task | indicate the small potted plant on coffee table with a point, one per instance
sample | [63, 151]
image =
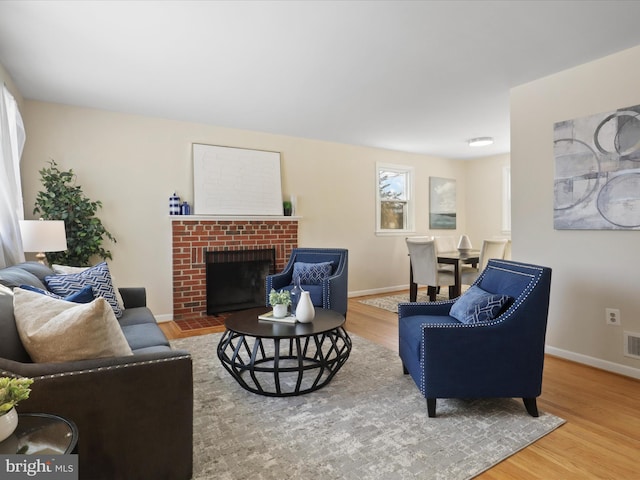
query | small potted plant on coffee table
[280, 301]
[12, 391]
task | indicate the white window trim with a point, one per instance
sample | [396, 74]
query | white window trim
[410, 224]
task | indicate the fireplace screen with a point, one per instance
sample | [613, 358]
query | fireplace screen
[236, 279]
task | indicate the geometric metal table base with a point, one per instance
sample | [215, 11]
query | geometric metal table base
[282, 367]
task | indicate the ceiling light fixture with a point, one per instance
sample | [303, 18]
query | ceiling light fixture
[480, 141]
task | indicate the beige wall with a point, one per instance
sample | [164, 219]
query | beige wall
[592, 270]
[132, 164]
[483, 206]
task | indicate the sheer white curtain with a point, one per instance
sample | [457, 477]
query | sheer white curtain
[12, 137]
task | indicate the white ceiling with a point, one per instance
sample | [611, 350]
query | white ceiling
[414, 76]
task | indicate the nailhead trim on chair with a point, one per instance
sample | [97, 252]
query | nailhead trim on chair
[99, 369]
[534, 279]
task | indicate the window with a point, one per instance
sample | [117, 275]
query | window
[394, 202]
[506, 199]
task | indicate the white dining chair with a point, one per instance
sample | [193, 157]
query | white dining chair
[507, 251]
[490, 249]
[424, 264]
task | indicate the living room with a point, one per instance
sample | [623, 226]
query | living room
[132, 163]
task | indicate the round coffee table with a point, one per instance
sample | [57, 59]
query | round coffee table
[283, 359]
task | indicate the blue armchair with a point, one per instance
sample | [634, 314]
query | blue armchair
[329, 292]
[499, 357]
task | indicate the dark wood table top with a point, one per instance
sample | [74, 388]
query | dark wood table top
[246, 322]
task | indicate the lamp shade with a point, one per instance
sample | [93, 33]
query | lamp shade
[43, 235]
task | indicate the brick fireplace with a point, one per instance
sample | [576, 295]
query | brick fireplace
[192, 236]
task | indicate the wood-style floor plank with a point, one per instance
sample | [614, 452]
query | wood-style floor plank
[601, 439]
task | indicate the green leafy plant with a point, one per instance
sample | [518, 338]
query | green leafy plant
[12, 391]
[283, 297]
[62, 199]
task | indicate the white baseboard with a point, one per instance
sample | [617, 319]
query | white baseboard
[594, 362]
[377, 291]
[167, 317]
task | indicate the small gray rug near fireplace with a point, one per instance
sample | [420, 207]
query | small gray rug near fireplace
[370, 422]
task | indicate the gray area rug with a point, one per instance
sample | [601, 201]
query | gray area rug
[391, 302]
[370, 422]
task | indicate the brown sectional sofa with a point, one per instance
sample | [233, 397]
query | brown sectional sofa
[134, 413]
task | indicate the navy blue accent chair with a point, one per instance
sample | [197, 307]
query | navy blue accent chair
[331, 293]
[503, 357]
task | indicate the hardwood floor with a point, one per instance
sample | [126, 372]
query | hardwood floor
[601, 439]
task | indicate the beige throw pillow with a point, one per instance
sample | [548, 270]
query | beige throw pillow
[54, 330]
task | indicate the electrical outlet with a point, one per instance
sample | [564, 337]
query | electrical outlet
[612, 316]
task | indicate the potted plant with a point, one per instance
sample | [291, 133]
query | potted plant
[62, 199]
[279, 301]
[12, 391]
[287, 206]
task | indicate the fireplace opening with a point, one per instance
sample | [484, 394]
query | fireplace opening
[236, 279]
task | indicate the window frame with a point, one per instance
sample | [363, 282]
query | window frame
[409, 213]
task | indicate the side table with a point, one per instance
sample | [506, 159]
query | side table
[41, 434]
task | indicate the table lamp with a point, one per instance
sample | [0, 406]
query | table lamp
[43, 236]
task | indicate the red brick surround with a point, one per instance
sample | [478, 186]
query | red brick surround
[192, 237]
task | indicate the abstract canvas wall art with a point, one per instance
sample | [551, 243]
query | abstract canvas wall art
[442, 203]
[597, 171]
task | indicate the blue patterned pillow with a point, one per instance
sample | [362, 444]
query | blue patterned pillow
[83, 296]
[312, 273]
[477, 305]
[98, 277]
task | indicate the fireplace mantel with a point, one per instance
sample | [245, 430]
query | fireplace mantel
[193, 235]
[221, 218]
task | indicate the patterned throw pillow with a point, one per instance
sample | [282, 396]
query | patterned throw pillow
[477, 305]
[311, 273]
[66, 269]
[98, 277]
[83, 296]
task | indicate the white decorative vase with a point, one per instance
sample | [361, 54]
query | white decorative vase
[305, 311]
[279, 311]
[8, 423]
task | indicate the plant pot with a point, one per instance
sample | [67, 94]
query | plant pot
[279, 311]
[8, 423]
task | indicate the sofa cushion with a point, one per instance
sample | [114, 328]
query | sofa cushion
[136, 316]
[15, 276]
[98, 277]
[144, 335]
[477, 305]
[11, 346]
[83, 296]
[311, 273]
[54, 330]
[38, 269]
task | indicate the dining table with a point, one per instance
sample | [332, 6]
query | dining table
[456, 258]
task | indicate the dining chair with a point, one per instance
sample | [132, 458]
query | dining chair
[445, 244]
[490, 249]
[507, 251]
[424, 265]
